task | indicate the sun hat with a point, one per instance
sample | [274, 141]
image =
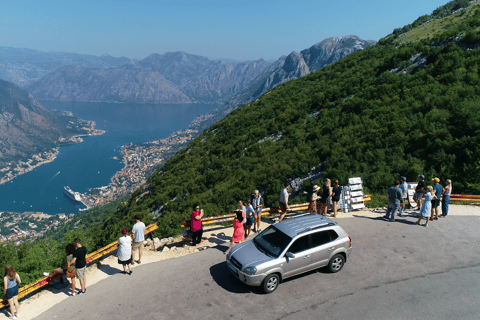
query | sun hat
[316, 188]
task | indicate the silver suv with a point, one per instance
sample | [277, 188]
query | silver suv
[288, 248]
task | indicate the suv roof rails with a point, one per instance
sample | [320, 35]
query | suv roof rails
[316, 227]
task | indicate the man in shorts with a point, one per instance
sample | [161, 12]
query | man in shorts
[138, 231]
[437, 190]
[79, 258]
[419, 190]
[257, 204]
[284, 201]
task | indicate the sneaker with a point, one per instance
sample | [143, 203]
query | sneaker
[130, 272]
[13, 317]
[74, 294]
[436, 218]
[385, 218]
[425, 225]
[418, 222]
[81, 293]
[17, 315]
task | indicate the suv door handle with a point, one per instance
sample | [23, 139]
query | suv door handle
[331, 248]
[306, 257]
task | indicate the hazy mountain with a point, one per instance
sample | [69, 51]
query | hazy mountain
[24, 66]
[174, 77]
[297, 65]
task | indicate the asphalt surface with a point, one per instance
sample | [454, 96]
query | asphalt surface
[396, 271]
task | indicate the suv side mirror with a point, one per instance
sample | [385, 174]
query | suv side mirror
[289, 255]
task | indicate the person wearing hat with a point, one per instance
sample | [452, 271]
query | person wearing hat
[138, 231]
[312, 207]
[124, 252]
[336, 193]
[417, 197]
[437, 189]
[404, 188]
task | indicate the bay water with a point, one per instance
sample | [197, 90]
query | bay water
[89, 164]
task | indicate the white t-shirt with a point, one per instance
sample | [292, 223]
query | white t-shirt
[284, 196]
[139, 230]
[124, 248]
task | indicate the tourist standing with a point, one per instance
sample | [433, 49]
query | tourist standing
[238, 231]
[80, 260]
[336, 193]
[312, 207]
[394, 197]
[243, 209]
[138, 233]
[326, 194]
[10, 289]
[196, 225]
[426, 206]
[437, 189]
[447, 191]
[419, 190]
[124, 252]
[284, 201]
[257, 204]
[249, 215]
[404, 188]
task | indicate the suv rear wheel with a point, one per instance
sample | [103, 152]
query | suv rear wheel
[336, 263]
[270, 283]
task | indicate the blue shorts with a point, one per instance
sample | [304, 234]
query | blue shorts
[12, 292]
[249, 221]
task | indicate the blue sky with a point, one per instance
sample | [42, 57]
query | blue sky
[241, 30]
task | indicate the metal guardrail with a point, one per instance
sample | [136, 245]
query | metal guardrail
[95, 255]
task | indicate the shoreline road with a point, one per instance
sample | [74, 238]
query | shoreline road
[396, 271]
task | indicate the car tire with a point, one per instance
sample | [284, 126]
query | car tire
[270, 283]
[336, 263]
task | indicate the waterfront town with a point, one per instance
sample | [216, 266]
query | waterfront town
[19, 227]
[140, 160]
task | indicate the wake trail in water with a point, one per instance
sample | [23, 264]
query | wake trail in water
[56, 174]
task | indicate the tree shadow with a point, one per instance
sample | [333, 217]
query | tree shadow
[225, 279]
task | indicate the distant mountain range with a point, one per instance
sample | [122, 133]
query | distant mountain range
[174, 77]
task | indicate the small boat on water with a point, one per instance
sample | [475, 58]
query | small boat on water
[75, 196]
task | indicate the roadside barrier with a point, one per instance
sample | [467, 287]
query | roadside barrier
[464, 197]
[95, 255]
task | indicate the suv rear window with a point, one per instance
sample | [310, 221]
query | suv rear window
[323, 237]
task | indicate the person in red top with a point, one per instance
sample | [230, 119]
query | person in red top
[238, 231]
[196, 225]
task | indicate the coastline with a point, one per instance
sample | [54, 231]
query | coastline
[15, 169]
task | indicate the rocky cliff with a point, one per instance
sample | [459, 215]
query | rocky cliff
[299, 64]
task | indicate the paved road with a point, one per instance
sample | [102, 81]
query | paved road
[396, 271]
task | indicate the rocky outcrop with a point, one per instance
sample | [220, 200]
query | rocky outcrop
[299, 64]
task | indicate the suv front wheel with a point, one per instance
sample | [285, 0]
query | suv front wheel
[336, 263]
[270, 283]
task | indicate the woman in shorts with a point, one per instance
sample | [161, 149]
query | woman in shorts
[326, 196]
[336, 193]
[238, 231]
[10, 289]
[124, 252]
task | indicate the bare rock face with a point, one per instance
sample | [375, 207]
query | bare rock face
[297, 65]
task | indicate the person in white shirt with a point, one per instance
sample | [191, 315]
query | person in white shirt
[138, 231]
[124, 252]
[284, 201]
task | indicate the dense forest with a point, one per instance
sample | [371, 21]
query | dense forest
[390, 110]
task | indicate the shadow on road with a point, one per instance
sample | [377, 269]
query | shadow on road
[222, 276]
[105, 268]
[397, 219]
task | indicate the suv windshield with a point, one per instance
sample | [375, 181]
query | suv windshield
[272, 240]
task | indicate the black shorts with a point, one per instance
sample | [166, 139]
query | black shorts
[125, 262]
[435, 203]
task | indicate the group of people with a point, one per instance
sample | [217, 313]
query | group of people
[427, 199]
[128, 244]
[329, 197]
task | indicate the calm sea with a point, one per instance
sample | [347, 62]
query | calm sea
[89, 164]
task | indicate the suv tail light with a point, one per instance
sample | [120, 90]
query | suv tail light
[350, 241]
